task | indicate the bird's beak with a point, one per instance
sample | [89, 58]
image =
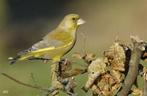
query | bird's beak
[80, 22]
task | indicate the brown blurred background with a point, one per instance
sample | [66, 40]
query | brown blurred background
[24, 22]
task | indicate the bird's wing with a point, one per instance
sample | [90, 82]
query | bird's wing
[55, 39]
[44, 43]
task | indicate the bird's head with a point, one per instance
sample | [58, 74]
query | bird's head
[71, 22]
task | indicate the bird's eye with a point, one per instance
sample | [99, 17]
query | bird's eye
[73, 19]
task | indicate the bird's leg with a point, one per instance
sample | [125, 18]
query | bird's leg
[64, 61]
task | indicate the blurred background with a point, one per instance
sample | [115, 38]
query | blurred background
[24, 22]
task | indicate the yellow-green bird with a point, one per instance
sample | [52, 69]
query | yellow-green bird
[55, 44]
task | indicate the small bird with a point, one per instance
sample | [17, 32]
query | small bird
[55, 44]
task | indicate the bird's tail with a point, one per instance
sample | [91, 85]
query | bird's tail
[13, 60]
[19, 56]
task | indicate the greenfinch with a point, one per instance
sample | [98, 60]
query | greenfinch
[55, 44]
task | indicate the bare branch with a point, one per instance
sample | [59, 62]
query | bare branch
[133, 66]
[25, 84]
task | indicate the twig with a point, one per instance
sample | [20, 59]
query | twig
[133, 66]
[24, 84]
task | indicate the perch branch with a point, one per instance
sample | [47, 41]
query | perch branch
[133, 66]
[54, 79]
